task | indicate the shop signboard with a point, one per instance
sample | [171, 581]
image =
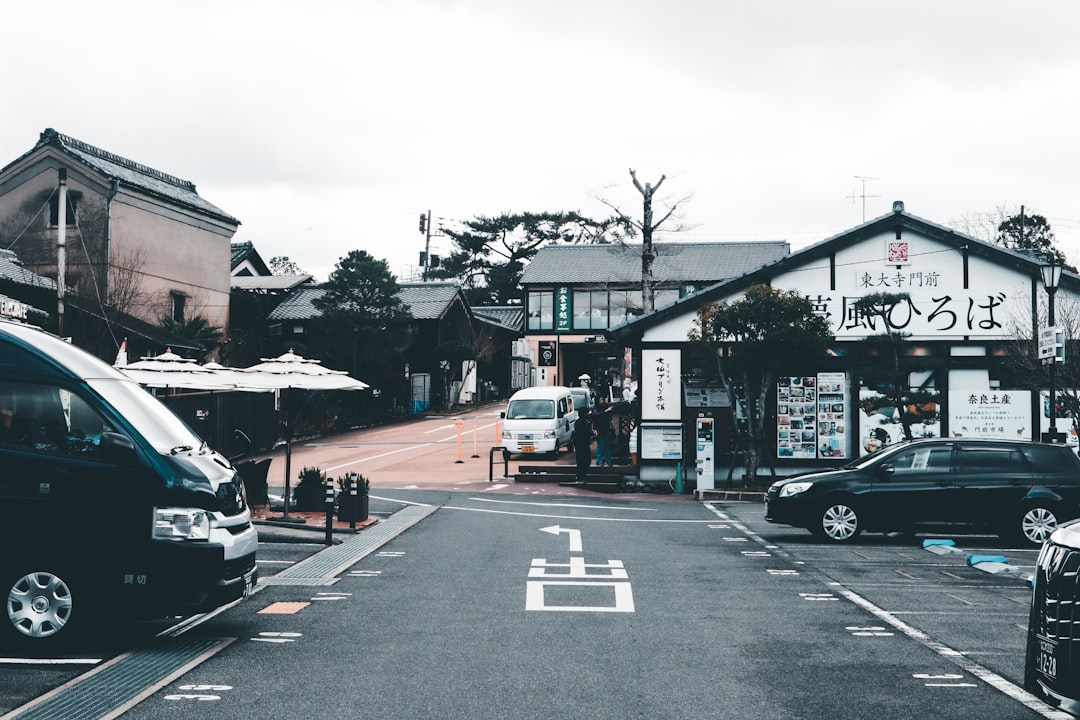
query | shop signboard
[811, 416]
[661, 379]
[1001, 414]
[563, 309]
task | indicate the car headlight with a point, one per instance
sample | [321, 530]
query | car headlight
[181, 524]
[549, 433]
[506, 435]
[795, 488]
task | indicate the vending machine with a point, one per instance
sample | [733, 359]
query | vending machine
[704, 442]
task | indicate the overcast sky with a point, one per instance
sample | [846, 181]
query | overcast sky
[326, 126]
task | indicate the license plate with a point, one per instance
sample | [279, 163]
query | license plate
[1046, 657]
[249, 583]
[526, 448]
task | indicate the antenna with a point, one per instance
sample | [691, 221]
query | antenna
[862, 179]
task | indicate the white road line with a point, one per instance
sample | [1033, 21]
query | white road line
[564, 505]
[575, 517]
[956, 657]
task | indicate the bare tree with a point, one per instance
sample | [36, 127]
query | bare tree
[647, 226]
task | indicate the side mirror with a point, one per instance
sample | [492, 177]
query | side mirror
[117, 447]
[502, 415]
[244, 443]
[886, 469]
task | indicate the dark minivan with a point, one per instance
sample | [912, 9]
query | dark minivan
[112, 506]
[1013, 488]
[1052, 665]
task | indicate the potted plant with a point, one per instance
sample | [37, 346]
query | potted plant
[348, 508]
[310, 494]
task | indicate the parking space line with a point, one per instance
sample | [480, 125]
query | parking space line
[956, 657]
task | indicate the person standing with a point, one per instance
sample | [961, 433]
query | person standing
[604, 432]
[583, 435]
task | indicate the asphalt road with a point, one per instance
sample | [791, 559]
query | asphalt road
[511, 601]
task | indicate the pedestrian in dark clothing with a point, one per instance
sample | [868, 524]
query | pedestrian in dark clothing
[604, 432]
[583, 435]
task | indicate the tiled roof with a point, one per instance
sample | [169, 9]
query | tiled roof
[268, 282]
[240, 251]
[299, 305]
[675, 262]
[13, 271]
[511, 317]
[147, 179]
[426, 301]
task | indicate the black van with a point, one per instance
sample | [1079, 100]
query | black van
[1052, 664]
[1014, 488]
[112, 506]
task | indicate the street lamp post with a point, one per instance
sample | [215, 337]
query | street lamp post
[1051, 276]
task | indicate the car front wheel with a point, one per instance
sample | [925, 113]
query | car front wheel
[1037, 523]
[839, 523]
[39, 606]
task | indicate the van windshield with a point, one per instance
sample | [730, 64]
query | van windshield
[154, 421]
[530, 410]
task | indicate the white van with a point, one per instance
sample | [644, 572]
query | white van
[539, 420]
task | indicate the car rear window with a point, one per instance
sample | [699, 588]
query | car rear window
[1047, 459]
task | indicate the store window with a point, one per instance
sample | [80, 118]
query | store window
[541, 310]
[590, 310]
[624, 305]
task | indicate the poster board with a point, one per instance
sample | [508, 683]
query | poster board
[811, 416]
[661, 441]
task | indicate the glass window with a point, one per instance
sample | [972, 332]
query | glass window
[590, 310]
[70, 220]
[666, 296]
[625, 304]
[990, 461]
[922, 460]
[48, 419]
[541, 310]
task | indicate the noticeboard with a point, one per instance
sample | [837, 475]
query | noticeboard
[661, 441]
[705, 397]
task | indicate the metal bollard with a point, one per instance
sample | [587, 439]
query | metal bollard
[329, 511]
[352, 496]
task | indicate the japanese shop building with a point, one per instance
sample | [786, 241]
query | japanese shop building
[969, 320]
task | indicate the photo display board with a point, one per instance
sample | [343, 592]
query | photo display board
[811, 416]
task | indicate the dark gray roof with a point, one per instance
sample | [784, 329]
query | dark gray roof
[299, 305]
[242, 251]
[12, 270]
[675, 262]
[511, 317]
[426, 301]
[129, 173]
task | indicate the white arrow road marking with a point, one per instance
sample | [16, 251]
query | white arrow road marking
[575, 536]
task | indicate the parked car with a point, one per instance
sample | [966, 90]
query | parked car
[1052, 664]
[539, 420]
[583, 399]
[1013, 488]
[113, 507]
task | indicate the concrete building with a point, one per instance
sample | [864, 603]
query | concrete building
[575, 293]
[969, 319]
[138, 240]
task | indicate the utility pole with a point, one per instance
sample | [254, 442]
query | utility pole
[425, 227]
[61, 250]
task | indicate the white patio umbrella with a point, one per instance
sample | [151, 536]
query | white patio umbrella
[169, 370]
[293, 372]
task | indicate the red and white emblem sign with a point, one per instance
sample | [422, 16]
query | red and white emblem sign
[897, 252]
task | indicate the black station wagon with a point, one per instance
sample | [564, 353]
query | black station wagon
[1013, 488]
